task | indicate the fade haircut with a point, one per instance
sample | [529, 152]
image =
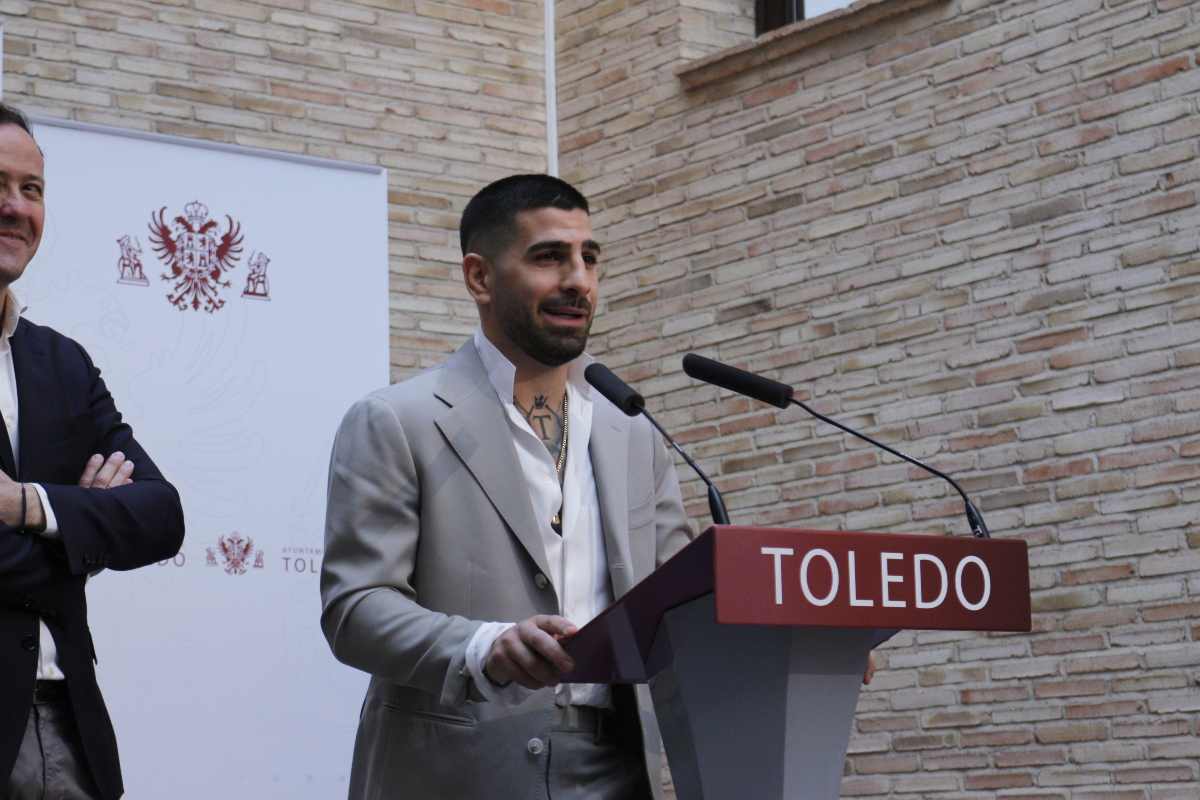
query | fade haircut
[11, 116]
[489, 221]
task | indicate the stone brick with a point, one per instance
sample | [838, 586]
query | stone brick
[1058, 733]
[1051, 340]
[998, 780]
[1123, 708]
[1159, 204]
[1149, 74]
[1107, 573]
[1072, 688]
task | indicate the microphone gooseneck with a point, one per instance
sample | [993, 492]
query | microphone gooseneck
[622, 395]
[781, 395]
[974, 518]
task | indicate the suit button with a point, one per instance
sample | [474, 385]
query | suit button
[541, 581]
[30, 643]
[27, 603]
[535, 746]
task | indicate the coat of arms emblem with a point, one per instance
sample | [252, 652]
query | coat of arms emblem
[236, 553]
[196, 258]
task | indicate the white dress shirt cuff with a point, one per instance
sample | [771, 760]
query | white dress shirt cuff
[477, 652]
[51, 531]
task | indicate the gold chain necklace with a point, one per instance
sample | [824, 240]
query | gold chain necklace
[556, 520]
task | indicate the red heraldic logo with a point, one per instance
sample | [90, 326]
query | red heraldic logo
[236, 552]
[195, 258]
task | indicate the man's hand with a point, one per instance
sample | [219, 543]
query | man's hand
[529, 653]
[870, 671]
[102, 473]
[10, 503]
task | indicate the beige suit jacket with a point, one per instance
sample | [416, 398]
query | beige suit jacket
[429, 531]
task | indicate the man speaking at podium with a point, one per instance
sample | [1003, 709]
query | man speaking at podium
[482, 510]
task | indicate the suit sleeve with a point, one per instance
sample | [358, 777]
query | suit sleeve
[672, 529]
[372, 531]
[33, 572]
[121, 528]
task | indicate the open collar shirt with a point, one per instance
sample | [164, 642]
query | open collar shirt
[577, 559]
[47, 665]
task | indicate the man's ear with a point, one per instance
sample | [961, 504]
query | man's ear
[477, 275]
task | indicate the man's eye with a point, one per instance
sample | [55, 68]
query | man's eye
[33, 189]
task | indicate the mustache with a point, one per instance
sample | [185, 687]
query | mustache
[11, 223]
[574, 303]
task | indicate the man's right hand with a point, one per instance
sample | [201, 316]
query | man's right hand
[529, 653]
[102, 473]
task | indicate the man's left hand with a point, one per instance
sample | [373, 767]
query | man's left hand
[102, 473]
[870, 671]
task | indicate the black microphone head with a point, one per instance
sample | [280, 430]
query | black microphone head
[737, 380]
[618, 392]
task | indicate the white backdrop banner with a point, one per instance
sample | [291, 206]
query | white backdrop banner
[236, 304]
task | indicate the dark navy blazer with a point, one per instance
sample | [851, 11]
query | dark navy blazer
[65, 415]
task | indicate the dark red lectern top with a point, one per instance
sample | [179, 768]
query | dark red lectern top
[779, 576]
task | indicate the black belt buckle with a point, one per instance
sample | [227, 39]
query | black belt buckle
[49, 691]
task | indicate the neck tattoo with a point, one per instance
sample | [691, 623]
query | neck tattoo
[547, 425]
[552, 429]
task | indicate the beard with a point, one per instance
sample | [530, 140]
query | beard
[546, 345]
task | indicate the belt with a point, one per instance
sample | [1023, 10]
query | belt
[586, 719]
[50, 691]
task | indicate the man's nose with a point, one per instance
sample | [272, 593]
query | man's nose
[577, 276]
[12, 204]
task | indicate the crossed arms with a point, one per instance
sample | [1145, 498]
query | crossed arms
[111, 517]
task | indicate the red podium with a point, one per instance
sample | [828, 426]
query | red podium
[754, 642]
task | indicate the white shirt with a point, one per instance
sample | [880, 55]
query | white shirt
[577, 559]
[47, 667]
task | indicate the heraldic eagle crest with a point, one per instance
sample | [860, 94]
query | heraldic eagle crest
[197, 260]
[236, 551]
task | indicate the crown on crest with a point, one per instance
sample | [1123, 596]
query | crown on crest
[197, 213]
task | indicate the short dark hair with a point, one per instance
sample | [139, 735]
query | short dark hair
[489, 220]
[11, 116]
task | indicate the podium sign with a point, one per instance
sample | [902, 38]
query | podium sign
[768, 576]
[812, 579]
[767, 632]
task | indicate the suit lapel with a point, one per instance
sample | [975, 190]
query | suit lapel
[35, 394]
[609, 447]
[476, 428]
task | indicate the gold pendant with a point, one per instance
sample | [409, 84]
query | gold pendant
[555, 520]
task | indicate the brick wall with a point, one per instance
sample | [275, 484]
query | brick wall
[970, 228]
[444, 95]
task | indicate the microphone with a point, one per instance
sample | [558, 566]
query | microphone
[737, 380]
[780, 395]
[618, 392]
[621, 395]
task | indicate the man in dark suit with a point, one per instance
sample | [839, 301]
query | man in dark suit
[57, 525]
